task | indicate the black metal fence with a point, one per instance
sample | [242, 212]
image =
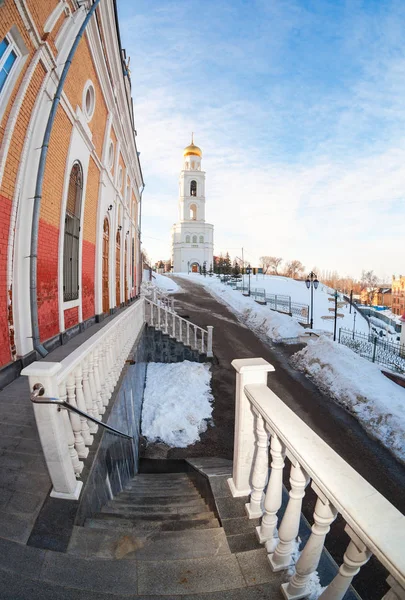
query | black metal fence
[375, 349]
[278, 302]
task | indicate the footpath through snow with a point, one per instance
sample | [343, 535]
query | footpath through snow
[354, 382]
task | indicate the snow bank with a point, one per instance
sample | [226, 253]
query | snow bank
[166, 284]
[274, 325]
[177, 403]
[357, 384]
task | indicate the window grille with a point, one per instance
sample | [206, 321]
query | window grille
[71, 246]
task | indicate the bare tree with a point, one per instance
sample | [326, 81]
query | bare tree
[369, 282]
[270, 263]
[293, 269]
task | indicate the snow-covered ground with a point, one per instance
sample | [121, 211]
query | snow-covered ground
[298, 292]
[164, 283]
[358, 385]
[177, 403]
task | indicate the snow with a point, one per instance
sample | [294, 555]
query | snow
[313, 586]
[298, 292]
[177, 403]
[165, 284]
[274, 325]
[359, 386]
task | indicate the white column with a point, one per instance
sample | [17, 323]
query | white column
[396, 592]
[356, 555]
[174, 325]
[266, 532]
[307, 563]
[288, 531]
[209, 341]
[249, 371]
[195, 338]
[77, 464]
[51, 429]
[260, 469]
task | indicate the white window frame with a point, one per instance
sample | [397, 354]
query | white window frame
[16, 44]
[89, 88]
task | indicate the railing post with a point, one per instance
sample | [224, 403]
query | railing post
[159, 319]
[307, 563]
[180, 329]
[356, 555]
[51, 429]
[396, 592]
[260, 469]
[188, 333]
[249, 371]
[195, 338]
[172, 304]
[273, 499]
[209, 341]
[288, 531]
[154, 295]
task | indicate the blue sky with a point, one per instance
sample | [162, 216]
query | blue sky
[299, 108]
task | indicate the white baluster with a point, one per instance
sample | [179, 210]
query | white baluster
[209, 341]
[166, 322]
[195, 338]
[87, 396]
[154, 296]
[76, 463]
[174, 325]
[151, 322]
[102, 373]
[260, 469]
[80, 446]
[108, 383]
[396, 592]
[266, 532]
[202, 341]
[81, 404]
[356, 555]
[96, 407]
[188, 333]
[100, 402]
[288, 531]
[172, 304]
[180, 329]
[159, 319]
[307, 563]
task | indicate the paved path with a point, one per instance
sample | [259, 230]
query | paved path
[336, 426]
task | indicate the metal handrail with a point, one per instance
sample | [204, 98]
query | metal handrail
[36, 398]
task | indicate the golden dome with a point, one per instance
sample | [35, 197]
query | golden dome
[192, 149]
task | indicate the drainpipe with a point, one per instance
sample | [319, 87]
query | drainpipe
[39, 185]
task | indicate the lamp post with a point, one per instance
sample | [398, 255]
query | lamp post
[311, 283]
[188, 267]
[205, 268]
[249, 278]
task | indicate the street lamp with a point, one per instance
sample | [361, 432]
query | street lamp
[311, 283]
[249, 269]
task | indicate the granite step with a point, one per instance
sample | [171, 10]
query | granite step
[136, 500]
[159, 492]
[151, 511]
[147, 545]
[139, 523]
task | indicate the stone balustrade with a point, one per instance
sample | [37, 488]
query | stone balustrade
[267, 431]
[166, 320]
[85, 379]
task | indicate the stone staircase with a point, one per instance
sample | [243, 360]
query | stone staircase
[162, 526]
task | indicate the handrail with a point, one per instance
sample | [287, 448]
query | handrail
[36, 397]
[177, 316]
[360, 504]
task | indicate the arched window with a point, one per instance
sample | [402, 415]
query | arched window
[193, 212]
[201, 239]
[194, 239]
[187, 239]
[72, 235]
[193, 188]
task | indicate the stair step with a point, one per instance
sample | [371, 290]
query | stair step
[160, 511]
[147, 545]
[139, 524]
[161, 491]
[162, 477]
[161, 501]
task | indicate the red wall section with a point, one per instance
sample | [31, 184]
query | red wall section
[88, 270]
[71, 317]
[5, 212]
[47, 280]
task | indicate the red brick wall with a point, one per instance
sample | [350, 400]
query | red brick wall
[88, 270]
[71, 317]
[5, 211]
[47, 280]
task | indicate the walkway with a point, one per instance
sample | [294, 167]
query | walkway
[24, 479]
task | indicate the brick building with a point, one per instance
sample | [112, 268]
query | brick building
[398, 294]
[88, 259]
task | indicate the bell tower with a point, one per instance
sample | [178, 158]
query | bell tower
[192, 237]
[192, 185]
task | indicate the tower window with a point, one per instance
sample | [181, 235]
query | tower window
[187, 239]
[193, 188]
[194, 239]
[201, 239]
[193, 212]
[71, 241]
